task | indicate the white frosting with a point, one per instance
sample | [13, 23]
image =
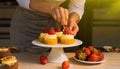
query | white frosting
[50, 36]
[59, 34]
[9, 60]
[68, 36]
[43, 34]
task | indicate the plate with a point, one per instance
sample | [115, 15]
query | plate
[38, 43]
[89, 62]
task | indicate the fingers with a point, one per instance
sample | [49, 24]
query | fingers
[61, 10]
[57, 12]
[74, 28]
[66, 16]
[61, 15]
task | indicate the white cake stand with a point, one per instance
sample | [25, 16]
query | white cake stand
[57, 54]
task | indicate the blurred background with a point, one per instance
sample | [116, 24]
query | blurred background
[100, 25]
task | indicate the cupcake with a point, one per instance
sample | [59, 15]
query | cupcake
[67, 37]
[9, 62]
[43, 34]
[58, 33]
[4, 52]
[51, 37]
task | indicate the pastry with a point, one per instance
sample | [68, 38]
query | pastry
[58, 33]
[51, 37]
[4, 52]
[67, 37]
[43, 34]
[9, 62]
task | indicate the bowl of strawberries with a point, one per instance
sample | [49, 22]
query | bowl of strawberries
[89, 55]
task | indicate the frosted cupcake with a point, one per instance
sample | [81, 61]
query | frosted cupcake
[43, 34]
[58, 33]
[51, 37]
[9, 62]
[67, 37]
[4, 52]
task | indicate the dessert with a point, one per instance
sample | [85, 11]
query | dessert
[9, 62]
[51, 37]
[67, 37]
[4, 52]
[58, 33]
[43, 34]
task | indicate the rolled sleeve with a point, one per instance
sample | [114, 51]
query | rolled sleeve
[24, 3]
[77, 6]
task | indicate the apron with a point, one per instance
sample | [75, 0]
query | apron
[26, 26]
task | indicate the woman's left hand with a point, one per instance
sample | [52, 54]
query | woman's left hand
[73, 23]
[73, 27]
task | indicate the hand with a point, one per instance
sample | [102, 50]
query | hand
[60, 14]
[73, 27]
[72, 23]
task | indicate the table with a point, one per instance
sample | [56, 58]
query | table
[29, 60]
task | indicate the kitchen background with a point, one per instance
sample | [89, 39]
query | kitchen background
[100, 25]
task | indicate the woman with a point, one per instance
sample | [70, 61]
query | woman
[32, 16]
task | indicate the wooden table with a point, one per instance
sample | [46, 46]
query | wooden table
[31, 61]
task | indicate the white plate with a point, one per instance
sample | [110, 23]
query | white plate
[38, 43]
[89, 62]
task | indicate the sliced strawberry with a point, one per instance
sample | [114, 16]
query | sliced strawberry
[57, 29]
[67, 31]
[51, 31]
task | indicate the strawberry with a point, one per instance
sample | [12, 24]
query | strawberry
[93, 57]
[43, 59]
[67, 31]
[82, 56]
[57, 29]
[90, 47]
[45, 30]
[101, 56]
[77, 54]
[95, 51]
[87, 51]
[51, 31]
[65, 65]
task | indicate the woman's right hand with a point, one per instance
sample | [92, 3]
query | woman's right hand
[60, 14]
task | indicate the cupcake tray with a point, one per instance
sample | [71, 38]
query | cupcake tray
[57, 54]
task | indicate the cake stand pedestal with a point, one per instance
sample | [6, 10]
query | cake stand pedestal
[57, 54]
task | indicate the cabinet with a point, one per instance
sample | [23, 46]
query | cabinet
[7, 8]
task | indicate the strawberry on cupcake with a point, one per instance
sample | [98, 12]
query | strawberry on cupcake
[67, 37]
[51, 37]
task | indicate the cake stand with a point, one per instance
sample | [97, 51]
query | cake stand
[57, 54]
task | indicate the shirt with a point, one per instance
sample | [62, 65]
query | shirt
[74, 6]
